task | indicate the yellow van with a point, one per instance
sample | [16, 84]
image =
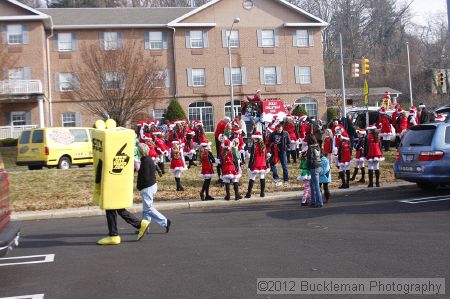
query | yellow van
[54, 147]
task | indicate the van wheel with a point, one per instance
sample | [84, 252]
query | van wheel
[426, 186]
[34, 167]
[64, 163]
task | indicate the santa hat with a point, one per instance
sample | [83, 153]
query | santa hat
[226, 144]
[227, 118]
[178, 121]
[171, 126]
[156, 132]
[345, 138]
[372, 127]
[337, 129]
[361, 131]
[275, 118]
[382, 110]
[440, 117]
[176, 141]
[237, 130]
[258, 90]
[413, 108]
[190, 132]
[288, 116]
[271, 129]
[222, 136]
[399, 109]
[257, 135]
[412, 111]
[302, 117]
[422, 105]
[205, 143]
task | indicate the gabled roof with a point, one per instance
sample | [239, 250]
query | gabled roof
[90, 18]
[36, 15]
[317, 22]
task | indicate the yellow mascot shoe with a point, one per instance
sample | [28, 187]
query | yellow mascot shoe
[143, 229]
[112, 240]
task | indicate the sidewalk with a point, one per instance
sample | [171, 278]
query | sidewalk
[190, 204]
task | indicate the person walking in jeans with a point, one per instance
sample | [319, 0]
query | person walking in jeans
[279, 141]
[146, 184]
[315, 168]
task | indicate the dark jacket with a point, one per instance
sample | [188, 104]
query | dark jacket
[284, 142]
[147, 173]
[313, 156]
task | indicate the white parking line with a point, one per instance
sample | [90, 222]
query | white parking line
[426, 199]
[36, 296]
[47, 258]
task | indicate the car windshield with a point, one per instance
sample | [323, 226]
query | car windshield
[419, 136]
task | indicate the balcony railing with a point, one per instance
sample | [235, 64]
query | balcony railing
[20, 87]
[13, 131]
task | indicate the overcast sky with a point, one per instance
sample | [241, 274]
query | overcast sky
[422, 9]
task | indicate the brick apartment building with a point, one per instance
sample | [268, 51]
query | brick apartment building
[276, 47]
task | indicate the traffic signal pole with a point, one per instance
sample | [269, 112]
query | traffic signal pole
[409, 76]
[344, 111]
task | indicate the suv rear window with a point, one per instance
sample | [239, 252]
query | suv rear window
[419, 136]
[38, 136]
[25, 137]
[447, 135]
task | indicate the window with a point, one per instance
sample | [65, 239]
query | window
[303, 38]
[80, 135]
[66, 81]
[419, 136]
[38, 136]
[204, 112]
[234, 38]
[447, 135]
[25, 137]
[196, 77]
[196, 38]
[309, 104]
[16, 74]
[157, 114]
[111, 40]
[71, 119]
[303, 74]
[66, 41]
[113, 80]
[237, 108]
[270, 76]
[268, 38]
[18, 118]
[238, 75]
[162, 79]
[156, 40]
[17, 34]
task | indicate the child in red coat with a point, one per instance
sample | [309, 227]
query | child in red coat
[207, 160]
[230, 169]
[177, 165]
[257, 164]
[344, 158]
[373, 155]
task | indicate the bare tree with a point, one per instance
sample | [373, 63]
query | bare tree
[121, 83]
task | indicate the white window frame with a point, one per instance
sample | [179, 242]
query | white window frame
[113, 80]
[309, 104]
[69, 118]
[65, 42]
[268, 41]
[111, 40]
[303, 75]
[302, 38]
[162, 79]
[18, 36]
[236, 75]
[195, 41]
[155, 39]
[18, 118]
[17, 73]
[66, 82]
[158, 114]
[237, 108]
[268, 74]
[202, 109]
[198, 77]
[234, 38]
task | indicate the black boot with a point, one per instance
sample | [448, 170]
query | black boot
[208, 183]
[370, 178]
[189, 162]
[250, 187]
[227, 190]
[377, 178]
[342, 176]
[179, 187]
[263, 187]
[294, 156]
[202, 192]
[237, 196]
[363, 175]
[161, 166]
[347, 175]
[355, 172]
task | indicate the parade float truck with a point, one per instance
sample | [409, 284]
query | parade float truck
[262, 113]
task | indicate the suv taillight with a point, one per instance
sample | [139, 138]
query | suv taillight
[47, 151]
[397, 155]
[431, 156]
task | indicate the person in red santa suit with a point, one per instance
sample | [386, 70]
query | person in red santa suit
[337, 138]
[385, 128]
[230, 169]
[327, 143]
[344, 158]
[304, 130]
[177, 165]
[162, 149]
[207, 160]
[220, 130]
[199, 130]
[401, 124]
[237, 137]
[189, 148]
[269, 131]
[336, 124]
[395, 115]
[257, 164]
[289, 127]
[412, 118]
[373, 155]
[359, 156]
[152, 149]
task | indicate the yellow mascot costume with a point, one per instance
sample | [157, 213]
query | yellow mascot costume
[113, 149]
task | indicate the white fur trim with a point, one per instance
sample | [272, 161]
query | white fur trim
[178, 169]
[378, 159]
[257, 137]
[345, 164]
[207, 176]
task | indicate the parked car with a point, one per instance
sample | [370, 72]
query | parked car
[54, 147]
[423, 156]
[9, 230]
[444, 110]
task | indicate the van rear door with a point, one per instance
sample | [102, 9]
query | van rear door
[37, 145]
[82, 146]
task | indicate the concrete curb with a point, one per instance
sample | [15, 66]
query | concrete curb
[192, 204]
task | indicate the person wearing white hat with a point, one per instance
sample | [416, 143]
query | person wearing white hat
[359, 156]
[230, 169]
[257, 164]
[412, 118]
[344, 158]
[373, 155]
[177, 165]
[207, 161]
[386, 130]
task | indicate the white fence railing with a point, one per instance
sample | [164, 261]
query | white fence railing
[13, 131]
[19, 87]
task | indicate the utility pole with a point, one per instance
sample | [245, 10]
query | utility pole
[344, 112]
[409, 75]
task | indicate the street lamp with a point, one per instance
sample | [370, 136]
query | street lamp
[235, 21]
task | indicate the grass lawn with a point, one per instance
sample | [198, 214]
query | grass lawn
[57, 188]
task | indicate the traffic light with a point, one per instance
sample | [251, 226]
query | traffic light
[365, 66]
[441, 79]
[355, 70]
